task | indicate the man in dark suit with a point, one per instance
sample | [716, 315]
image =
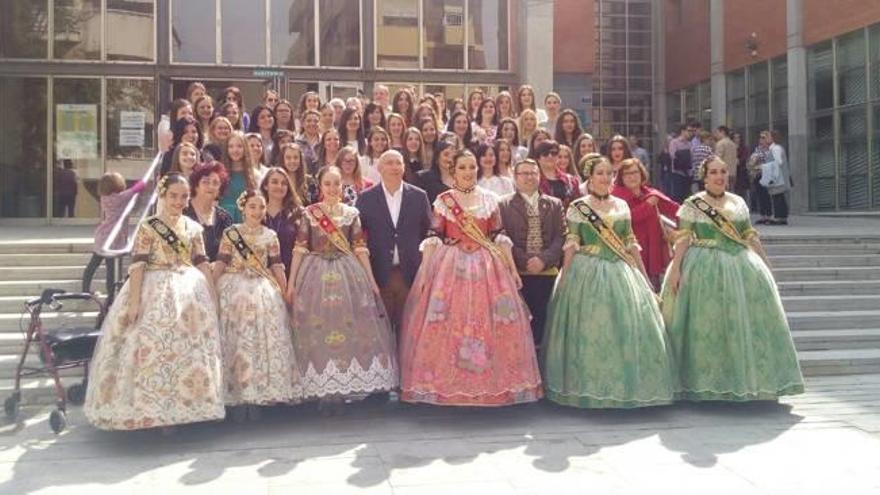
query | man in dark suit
[396, 217]
[534, 222]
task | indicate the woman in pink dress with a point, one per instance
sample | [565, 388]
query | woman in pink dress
[466, 339]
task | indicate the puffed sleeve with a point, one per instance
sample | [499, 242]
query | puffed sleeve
[356, 236]
[226, 250]
[303, 232]
[496, 227]
[437, 231]
[198, 248]
[573, 238]
[274, 251]
[628, 237]
[143, 247]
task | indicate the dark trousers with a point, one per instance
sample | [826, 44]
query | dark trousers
[394, 295]
[680, 187]
[536, 290]
[780, 206]
[64, 206]
[765, 206]
[89, 274]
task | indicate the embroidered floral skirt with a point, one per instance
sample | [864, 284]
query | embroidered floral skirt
[466, 338]
[728, 329]
[605, 345]
[342, 337]
[258, 360]
[164, 370]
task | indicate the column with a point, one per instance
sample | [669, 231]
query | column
[536, 45]
[716, 63]
[798, 127]
[658, 52]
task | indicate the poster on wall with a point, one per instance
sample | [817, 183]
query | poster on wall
[76, 131]
[131, 128]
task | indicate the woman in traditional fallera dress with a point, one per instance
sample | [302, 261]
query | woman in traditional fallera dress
[342, 337]
[604, 345]
[259, 367]
[158, 361]
[723, 313]
[466, 339]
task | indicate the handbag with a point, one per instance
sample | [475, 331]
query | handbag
[771, 176]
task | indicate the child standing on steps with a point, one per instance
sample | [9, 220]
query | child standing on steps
[114, 197]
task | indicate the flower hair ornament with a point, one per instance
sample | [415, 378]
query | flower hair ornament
[243, 198]
[168, 180]
[704, 166]
[589, 162]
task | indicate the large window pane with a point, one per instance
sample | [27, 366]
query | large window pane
[77, 150]
[875, 158]
[194, 31]
[23, 148]
[243, 31]
[444, 34]
[487, 39]
[340, 33]
[397, 33]
[130, 116]
[820, 76]
[854, 185]
[875, 64]
[78, 29]
[130, 30]
[24, 28]
[759, 100]
[822, 165]
[673, 111]
[736, 101]
[293, 32]
[852, 83]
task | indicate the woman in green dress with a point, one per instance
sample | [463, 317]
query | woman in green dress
[604, 345]
[724, 318]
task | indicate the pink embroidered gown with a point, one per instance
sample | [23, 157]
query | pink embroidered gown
[466, 339]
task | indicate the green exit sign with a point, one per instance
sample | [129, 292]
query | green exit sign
[268, 73]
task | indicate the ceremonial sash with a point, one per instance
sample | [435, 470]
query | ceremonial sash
[170, 237]
[330, 229]
[469, 226]
[719, 220]
[250, 258]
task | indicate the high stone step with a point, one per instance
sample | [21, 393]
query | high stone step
[828, 260]
[850, 338]
[821, 249]
[52, 259]
[65, 272]
[47, 246]
[847, 302]
[826, 288]
[826, 273]
[832, 320]
[840, 362]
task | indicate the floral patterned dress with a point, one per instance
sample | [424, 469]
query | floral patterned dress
[166, 368]
[342, 336]
[466, 338]
[258, 361]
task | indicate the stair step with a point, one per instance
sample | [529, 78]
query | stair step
[39, 391]
[840, 362]
[47, 246]
[15, 304]
[845, 338]
[819, 249]
[828, 287]
[772, 239]
[832, 320]
[53, 259]
[828, 260]
[33, 288]
[831, 303]
[46, 272]
[10, 322]
[826, 273]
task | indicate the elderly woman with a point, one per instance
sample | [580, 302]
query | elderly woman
[646, 205]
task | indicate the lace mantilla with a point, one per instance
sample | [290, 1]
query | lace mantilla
[733, 207]
[486, 206]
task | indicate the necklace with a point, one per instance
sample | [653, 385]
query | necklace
[600, 197]
[463, 190]
[715, 196]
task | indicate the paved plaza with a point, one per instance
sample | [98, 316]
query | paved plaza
[825, 442]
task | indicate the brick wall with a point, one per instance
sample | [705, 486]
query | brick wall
[574, 28]
[687, 42]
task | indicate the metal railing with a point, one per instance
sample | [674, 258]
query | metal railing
[122, 224]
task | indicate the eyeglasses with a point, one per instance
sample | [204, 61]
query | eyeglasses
[528, 174]
[551, 153]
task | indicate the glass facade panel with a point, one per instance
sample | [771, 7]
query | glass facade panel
[736, 101]
[779, 110]
[293, 32]
[854, 184]
[78, 29]
[24, 29]
[852, 85]
[130, 117]
[243, 32]
[875, 158]
[487, 35]
[759, 100]
[23, 148]
[822, 164]
[130, 30]
[397, 34]
[820, 67]
[443, 34]
[77, 147]
[193, 31]
[874, 35]
[340, 33]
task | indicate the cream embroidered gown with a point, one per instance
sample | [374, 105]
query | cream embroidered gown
[166, 369]
[258, 360]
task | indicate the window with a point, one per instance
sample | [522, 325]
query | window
[759, 100]
[397, 34]
[78, 29]
[822, 163]
[77, 147]
[193, 31]
[293, 32]
[852, 85]
[487, 38]
[443, 34]
[23, 148]
[820, 76]
[243, 32]
[853, 186]
[129, 26]
[130, 117]
[24, 27]
[340, 33]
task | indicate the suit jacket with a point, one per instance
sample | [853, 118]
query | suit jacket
[514, 217]
[382, 236]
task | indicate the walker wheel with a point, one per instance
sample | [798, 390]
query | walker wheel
[12, 406]
[58, 421]
[76, 394]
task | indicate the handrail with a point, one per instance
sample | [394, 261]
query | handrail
[123, 220]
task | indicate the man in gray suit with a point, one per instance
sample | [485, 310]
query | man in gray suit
[535, 224]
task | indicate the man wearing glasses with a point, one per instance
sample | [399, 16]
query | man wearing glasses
[534, 222]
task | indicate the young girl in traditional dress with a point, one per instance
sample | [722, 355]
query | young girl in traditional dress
[466, 338]
[724, 317]
[604, 344]
[258, 363]
[343, 337]
[158, 362]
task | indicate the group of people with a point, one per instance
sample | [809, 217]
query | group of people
[435, 282]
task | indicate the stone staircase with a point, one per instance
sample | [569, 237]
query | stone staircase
[830, 286]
